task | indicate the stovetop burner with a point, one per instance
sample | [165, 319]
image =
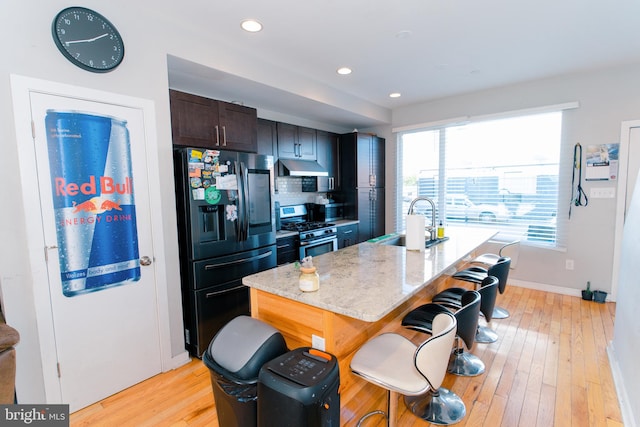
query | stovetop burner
[305, 226]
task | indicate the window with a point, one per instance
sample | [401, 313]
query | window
[500, 173]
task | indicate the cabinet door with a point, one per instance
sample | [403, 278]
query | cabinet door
[288, 250]
[377, 160]
[363, 156]
[287, 141]
[237, 127]
[296, 142]
[377, 207]
[306, 143]
[267, 138]
[370, 161]
[193, 120]
[328, 157]
[347, 235]
[370, 213]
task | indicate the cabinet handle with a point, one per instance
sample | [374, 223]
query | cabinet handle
[226, 291]
[348, 232]
[224, 136]
[331, 185]
[217, 136]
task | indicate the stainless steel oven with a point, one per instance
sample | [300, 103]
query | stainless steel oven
[319, 245]
[316, 237]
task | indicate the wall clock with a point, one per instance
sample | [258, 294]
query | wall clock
[88, 39]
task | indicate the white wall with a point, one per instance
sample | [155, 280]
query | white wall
[150, 34]
[606, 98]
[32, 53]
[626, 339]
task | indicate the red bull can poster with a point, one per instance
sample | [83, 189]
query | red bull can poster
[93, 201]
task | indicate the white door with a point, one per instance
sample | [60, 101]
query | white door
[106, 328]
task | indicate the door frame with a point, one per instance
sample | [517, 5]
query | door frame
[42, 350]
[623, 171]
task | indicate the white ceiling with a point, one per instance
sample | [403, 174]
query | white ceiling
[424, 49]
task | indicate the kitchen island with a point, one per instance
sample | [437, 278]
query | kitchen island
[365, 290]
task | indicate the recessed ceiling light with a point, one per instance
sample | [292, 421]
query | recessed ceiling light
[251, 25]
[395, 95]
[344, 70]
[403, 34]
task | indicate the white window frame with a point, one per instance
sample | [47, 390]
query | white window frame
[564, 177]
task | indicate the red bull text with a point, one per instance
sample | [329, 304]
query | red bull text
[92, 187]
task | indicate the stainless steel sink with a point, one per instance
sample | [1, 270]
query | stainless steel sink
[400, 240]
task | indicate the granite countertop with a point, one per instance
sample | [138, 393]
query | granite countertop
[367, 281]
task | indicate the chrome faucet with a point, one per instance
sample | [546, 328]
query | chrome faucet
[433, 228]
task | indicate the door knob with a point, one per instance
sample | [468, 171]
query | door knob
[145, 260]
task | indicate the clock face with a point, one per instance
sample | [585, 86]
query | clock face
[88, 39]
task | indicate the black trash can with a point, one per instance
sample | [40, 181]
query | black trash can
[300, 388]
[234, 358]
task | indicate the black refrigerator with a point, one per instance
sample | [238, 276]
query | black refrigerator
[226, 230]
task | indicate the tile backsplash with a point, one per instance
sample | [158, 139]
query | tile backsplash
[289, 191]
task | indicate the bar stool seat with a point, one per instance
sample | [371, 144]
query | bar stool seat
[511, 250]
[394, 363]
[452, 298]
[461, 362]
[477, 274]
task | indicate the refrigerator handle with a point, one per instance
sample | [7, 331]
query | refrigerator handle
[240, 220]
[245, 188]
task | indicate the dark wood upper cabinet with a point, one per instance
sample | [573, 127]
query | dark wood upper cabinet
[363, 158]
[296, 142]
[202, 122]
[268, 138]
[329, 158]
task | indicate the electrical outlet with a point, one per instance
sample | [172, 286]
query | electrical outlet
[317, 342]
[603, 193]
[569, 264]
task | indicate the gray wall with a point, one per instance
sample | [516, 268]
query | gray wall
[606, 98]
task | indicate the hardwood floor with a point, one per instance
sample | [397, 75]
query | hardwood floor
[548, 368]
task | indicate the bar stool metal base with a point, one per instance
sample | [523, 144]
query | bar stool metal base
[465, 364]
[486, 335]
[392, 410]
[500, 313]
[441, 407]
[370, 414]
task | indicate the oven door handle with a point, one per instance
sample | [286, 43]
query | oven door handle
[319, 241]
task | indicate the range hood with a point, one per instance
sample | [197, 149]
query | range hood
[295, 167]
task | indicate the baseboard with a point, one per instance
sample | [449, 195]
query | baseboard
[618, 379]
[177, 361]
[550, 288]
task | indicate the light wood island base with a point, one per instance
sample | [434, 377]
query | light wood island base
[365, 290]
[343, 336]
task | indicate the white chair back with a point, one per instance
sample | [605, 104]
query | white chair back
[432, 356]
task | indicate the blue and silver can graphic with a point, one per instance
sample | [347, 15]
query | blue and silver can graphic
[93, 201]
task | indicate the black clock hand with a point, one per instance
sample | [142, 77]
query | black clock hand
[86, 40]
